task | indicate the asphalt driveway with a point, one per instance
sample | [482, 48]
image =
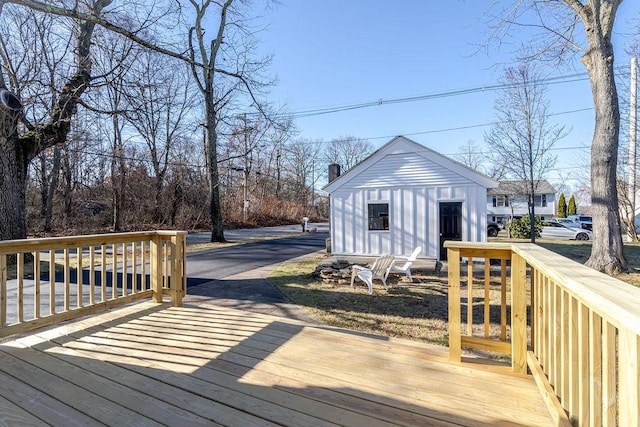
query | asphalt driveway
[236, 276]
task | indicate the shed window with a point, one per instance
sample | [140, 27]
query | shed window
[378, 216]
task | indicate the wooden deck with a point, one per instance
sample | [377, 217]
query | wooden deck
[150, 364]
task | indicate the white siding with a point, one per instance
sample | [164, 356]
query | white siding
[413, 180]
[413, 219]
[405, 170]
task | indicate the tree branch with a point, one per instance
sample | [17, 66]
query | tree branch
[96, 20]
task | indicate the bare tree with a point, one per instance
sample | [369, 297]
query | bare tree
[158, 106]
[522, 134]
[232, 83]
[18, 147]
[471, 155]
[560, 21]
[475, 157]
[219, 85]
[347, 151]
[301, 166]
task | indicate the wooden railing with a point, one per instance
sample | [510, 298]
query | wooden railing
[576, 330]
[36, 275]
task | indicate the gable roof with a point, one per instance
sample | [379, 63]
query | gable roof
[514, 188]
[407, 151]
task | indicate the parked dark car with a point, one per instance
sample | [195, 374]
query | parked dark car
[492, 229]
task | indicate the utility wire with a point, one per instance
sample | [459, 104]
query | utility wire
[447, 94]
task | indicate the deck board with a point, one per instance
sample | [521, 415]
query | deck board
[151, 364]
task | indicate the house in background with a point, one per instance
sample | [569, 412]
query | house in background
[403, 196]
[509, 200]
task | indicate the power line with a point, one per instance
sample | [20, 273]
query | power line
[442, 130]
[310, 112]
[570, 78]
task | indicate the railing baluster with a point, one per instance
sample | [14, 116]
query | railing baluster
[549, 329]
[595, 369]
[629, 395]
[52, 281]
[609, 399]
[103, 272]
[36, 285]
[165, 263]
[534, 295]
[470, 296]
[143, 266]
[556, 379]
[67, 279]
[125, 268]
[503, 300]
[92, 275]
[487, 298]
[134, 269]
[114, 271]
[20, 287]
[574, 377]
[564, 345]
[79, 278]
[583, 365]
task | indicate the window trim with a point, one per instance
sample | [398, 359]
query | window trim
[369, 217]
[502, 201]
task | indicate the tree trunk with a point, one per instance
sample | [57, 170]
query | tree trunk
[215, 210]
[607, 253]
[532, 216]
[117, 175]
[13, 179]
[159, 201]
[68, 189]
[49, 187]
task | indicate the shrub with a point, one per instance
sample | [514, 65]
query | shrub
[572, 209]
[562, 206]
[521, 228]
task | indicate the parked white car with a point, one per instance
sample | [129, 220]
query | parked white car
[555, 230]
[568, 222]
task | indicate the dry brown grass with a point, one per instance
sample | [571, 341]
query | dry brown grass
[416, 311]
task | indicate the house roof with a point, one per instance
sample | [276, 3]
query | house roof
[403, 148]
[517, 188]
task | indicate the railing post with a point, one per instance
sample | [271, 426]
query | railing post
[453, 259]
[629, 366]
[156, 267]
[518, 314]
[177, 263]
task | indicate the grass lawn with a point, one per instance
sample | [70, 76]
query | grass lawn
[416, 311]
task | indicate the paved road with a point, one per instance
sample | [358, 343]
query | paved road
[250, 233]
[217, 264]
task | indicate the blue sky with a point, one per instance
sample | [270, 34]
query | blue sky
[331, 53]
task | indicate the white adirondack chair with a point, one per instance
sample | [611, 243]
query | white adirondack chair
[406, 267]
[379, 270]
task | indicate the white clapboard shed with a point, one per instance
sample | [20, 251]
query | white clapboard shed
[403, 196]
